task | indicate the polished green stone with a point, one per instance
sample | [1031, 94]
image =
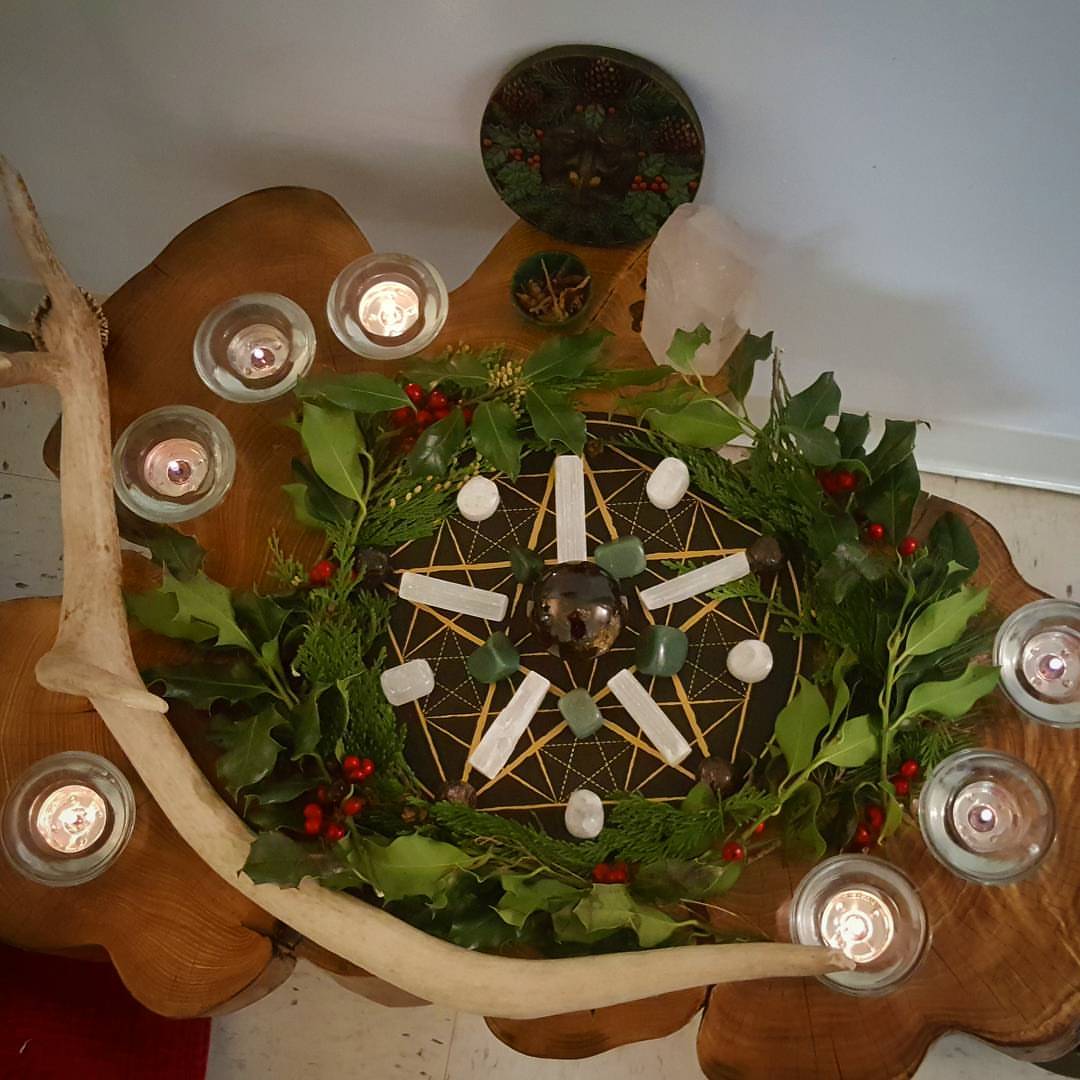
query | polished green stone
[494, 660]
[661, 650]
[622, 558]
[525, 564]
[581, 713]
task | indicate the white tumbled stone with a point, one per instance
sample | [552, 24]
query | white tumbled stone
[750, 661]
[659, 730]
[584, 814]
[478, 499]
[407, 682]
[710, 576]
[570, 509]
[451, 596]
[494, 749]
[669, 482]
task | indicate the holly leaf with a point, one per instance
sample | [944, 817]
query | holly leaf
[849, 564]
[182, 554]
[437, 446]
[827, 532]
[684, 346]
[955, 697]
[818, 445]
[494, 434]
[854, 744]
[703, 423]
[553, 420]
[813, 406]
[158, 611]
[260, 617]
[668, 399]
[739, 367]
[253, 752]
[279, 860]
[671, 881]
[607, 908]
[525, 895]
[618, 377]
[202, 684]
[647, 210]
[890, 499]
[951, 540]
[942, 623]
[200, 598]
[274, 792]
[518, 182]
[799, 723]
[365, 392]
[798, 819]
[896, 443]
[298, 496]
[841, 691]
[851, 431]
[411, 865]
[333, 443]
[565, 357]
[306, 728]
[468, 370]
[324, 504]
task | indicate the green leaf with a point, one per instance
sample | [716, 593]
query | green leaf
[798, 818]
[365, 392]
[275, 816]
[894, 812]
[841, 691]
[684, 346]
[279, 860]
[324, 504]
[700, 797]
[668, 399]
[437, 446]
[813, 406]
[670, 881]
[851, 432]
[611, 907]
[617, 377]
[854, 744]
[412, 865]
[818, 445]
[494, 434]
[260, 617]
[890, 499]
[273, 792]
[740, 364]
[157, 611]
[525, 895]
[827, 532]
[468, 370]
[848, 565]
[182, 554]
[566, 357]
[702, 423]
[955, 697]
[201, 684]
[941, 623]
[553, 420]
[799, 724]
[209, 602]
[896, 443]
[298, 496]
[333, 443]
[951, 540]
[253, 753]
[306, 727]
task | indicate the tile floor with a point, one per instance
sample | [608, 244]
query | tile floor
[309, 1025]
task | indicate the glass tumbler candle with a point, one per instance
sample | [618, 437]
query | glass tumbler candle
[173, 463]
[255, 347]
[987, 816]
[1038, 651]
[67, 818]
[868, 910]
[386, 306]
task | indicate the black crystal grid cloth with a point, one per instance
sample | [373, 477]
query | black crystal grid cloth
[715, 712]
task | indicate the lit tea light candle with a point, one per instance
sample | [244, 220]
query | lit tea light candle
[1050, 663]
[72, 818]
[176, 467]
[984, 814]
[390, 309]
[859, 923]
[258, 351]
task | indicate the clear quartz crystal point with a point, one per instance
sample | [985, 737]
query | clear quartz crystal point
[660, 731]
[495, 748]
[570, 509]
[450, 596]
[669, 482]
[407, 682]
[704, 578]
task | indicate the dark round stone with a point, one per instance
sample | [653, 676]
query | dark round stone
[372, 567]
[717, 773]
[765, 555]
[461, 792]
[578, 609]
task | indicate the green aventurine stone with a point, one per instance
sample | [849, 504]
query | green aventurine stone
[661, 650]
[622, 558]
[525, 564]
[494, 660]
[581, 713]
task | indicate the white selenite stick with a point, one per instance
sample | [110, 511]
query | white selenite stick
[710, 576]
[661, 732]
[450, 596]
[495, 748]
[570, 509]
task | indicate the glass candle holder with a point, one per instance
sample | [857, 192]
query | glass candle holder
[987, 816]
[387, 306]
[1038, 650]
[871, 912]
[255, 347]
[173, 463]
[67, 818]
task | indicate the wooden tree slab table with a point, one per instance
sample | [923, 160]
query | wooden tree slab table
[1004, 963]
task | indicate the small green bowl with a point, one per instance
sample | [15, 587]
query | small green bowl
[556, 263]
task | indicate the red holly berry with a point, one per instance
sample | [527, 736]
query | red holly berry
[845, 481]
[350, 764]
[352, 806]
[313, 826]
[415, 393]
[441, 412]
[322, 572]
[907, 547]
[759, 828]
[334, 832]
[862, 836]
[901, 786]
[619, 874]
[322, 794]
[600, 873]
[312, 810]
[826, 478]
[733, 851]
[367, 767]
[467, 411]
[875, 532]
[875, 817]
[408, 443]
[401, 417]
[910, 769]
[424, 419]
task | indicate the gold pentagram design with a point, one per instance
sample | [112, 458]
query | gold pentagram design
[717, 714]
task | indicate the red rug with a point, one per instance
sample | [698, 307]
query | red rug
[71, 1018]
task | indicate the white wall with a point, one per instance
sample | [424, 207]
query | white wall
[916, 164]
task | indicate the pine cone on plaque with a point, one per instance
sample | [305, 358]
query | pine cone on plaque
[519, 96]
[603, 80]
[677, 135]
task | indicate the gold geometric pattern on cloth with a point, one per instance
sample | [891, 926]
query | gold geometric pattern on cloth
[715, 713]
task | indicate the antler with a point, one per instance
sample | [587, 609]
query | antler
[92, 657]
